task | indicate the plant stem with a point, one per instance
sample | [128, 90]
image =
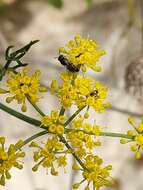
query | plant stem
[36, 107]
[73, 116]
[121, 135]
[63, 140]
[33, 137]
[19, 115]
[105, 134]
[62, 111]
[37, 123]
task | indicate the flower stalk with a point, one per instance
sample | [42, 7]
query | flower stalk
[37, 123]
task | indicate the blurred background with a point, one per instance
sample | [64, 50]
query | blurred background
[117, 25]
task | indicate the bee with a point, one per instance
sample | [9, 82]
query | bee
[94, 93]
[70, 66]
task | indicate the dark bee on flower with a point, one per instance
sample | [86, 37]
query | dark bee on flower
[70, 66]
[94, 93]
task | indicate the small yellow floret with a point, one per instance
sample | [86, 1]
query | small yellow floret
[138, 155]
[54, 86]
[123, 141]
[130, 132]
[76, 185]
[131, 120]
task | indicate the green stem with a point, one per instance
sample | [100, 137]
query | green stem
[21, 116]
[73, 116]
[104, 134]
[37, 123]
[121, 135]
[36, 107]
[33, 137]
[62, 111]
[7, 65]
[63, 140]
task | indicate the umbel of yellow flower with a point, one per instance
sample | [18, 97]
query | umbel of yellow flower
[54, 122]
[80, 139]
[9, 159]
[84, 52]
[48, 155]
[95, 174]
[90, 93]
[22, 86]
[81, 91]
[136, 135]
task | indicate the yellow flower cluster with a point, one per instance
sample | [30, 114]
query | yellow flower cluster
[80, 136]
[54, 122]
[95, 174]
[83, 52]
[84, 143]
[9, 159]
[90, 93]
[80, 91]
[49, 155]
[22, 86]
[136, 137]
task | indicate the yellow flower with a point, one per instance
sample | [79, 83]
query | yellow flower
[84, 52]
[67, 94]
[136, 135]
[62, 161]
[48, 155]
[82, 91]
[76, 185]
[139, 140]
[80, 136]
[140, 127]
[9, 158]
[54, 122]
[54, 86]
[67, 76]
[95, 173]
[90, 93]
[22, 86]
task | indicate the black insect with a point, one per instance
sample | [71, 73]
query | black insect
[78, 55]
[94, 93]
[70, 66]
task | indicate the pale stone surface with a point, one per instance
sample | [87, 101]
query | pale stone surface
[54, 27]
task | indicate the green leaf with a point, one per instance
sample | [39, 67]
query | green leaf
[56, 3]
[89, 2]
